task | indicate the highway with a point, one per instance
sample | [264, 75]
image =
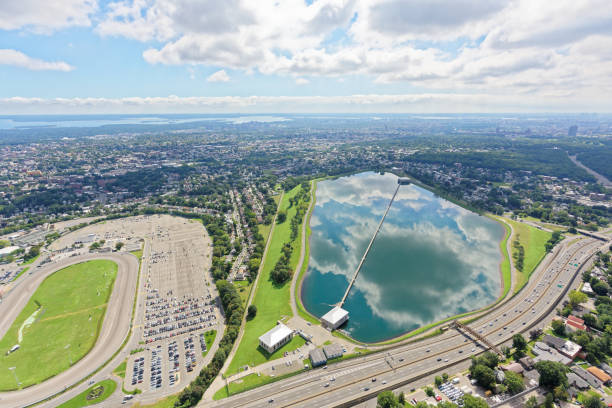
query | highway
[405, 364]
[114, 329]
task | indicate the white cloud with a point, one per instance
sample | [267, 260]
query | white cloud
[45, 16]
[371, 103]
[219, 76]
[302, 81]
[19, 59]
[496, 47]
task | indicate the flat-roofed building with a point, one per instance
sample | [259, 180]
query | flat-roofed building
[600, 374]
[275, 338]
[332, 351]
[334, 318]
[317, 357]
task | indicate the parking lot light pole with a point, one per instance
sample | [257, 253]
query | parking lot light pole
[69, 356]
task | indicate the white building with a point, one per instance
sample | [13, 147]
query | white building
[275, 338]
[335, 318]
[586, 288]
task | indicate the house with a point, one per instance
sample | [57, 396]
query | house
[275, 338]
[545, 352]
[586, 288]
[573, 323]
[587, 376]
[568, 348]
[332, 351]
[600, 374]
[527, 363]
[514, 367]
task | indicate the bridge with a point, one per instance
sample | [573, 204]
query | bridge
[363, 258]
[593, 235]
[460, 326]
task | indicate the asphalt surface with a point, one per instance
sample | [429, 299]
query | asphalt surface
[114, 329]
[350, 382]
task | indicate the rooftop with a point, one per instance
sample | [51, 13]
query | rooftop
[276, 334]
[335, 315]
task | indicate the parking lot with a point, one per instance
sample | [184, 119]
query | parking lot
[177, 299]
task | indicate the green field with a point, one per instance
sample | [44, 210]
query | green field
[272, 301]
[120, 370]
[167, 402]
[95, 394]
[209, 338]
[65, 315]
[534, 241]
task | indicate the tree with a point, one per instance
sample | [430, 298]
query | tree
[470, 401]
[401, 399]
[514, 382]
[560, 393]
[532, 402]
[558, 327]
[281, 217]
[429, 391]
[251, 312]
[438, 381]
[576, 298]
[600, 288]
[118, 246]
[386, 399]
[535, 333]
[592, 401]
[549, 401]
[484, 375]
[552, 374]
[519, 342]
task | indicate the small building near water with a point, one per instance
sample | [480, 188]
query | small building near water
[334, 318]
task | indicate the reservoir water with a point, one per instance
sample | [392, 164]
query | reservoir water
[431, 260]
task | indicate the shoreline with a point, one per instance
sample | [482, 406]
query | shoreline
[505, 288]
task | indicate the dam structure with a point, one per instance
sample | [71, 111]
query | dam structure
[337, 316]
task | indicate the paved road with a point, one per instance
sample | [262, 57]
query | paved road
[219, 382]
[531, 307]
[114, 330]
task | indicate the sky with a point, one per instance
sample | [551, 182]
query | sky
[305, 56]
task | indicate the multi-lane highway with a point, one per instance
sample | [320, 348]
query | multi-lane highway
[349, 382]
[114, 330]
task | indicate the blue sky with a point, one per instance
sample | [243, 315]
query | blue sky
[88, 56]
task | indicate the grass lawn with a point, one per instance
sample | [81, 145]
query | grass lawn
[243, 288]
[534, 241]
[248, 383]
[272, 301]
[137, 254]
[67, 309]
[209, 338]
[120, 370]
[167, 402]
[93, 395]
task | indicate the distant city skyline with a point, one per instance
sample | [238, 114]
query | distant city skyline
[296, 56]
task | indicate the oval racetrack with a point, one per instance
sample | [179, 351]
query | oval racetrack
[114, 330]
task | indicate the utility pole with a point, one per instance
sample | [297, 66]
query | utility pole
[15, 374]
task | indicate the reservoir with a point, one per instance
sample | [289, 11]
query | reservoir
[431, 259]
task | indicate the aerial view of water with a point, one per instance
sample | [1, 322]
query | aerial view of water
[431, 260]
[86, 121]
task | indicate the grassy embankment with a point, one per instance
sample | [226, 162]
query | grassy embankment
[304, 314]
[167, 402]
[272, 300]
[97, 395]
[533, 240]
[61, 323]
[209, 338]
